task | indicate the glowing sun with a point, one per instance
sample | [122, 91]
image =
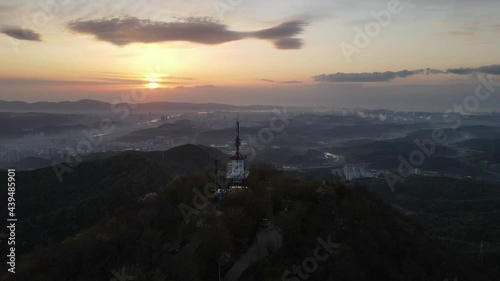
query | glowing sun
[152, 79]
[153, 85]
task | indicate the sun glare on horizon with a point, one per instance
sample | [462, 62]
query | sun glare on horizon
[153, 85]
[152, 79]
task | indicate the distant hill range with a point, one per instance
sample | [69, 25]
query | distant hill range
[99, 106]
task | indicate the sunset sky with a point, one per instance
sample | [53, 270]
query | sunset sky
[249, 52]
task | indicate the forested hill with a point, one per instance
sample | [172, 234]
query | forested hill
[154, 241]
[50, 210]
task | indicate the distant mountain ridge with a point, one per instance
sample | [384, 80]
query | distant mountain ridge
[97, 106]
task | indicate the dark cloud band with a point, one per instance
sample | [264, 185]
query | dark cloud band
[124, 31]
[340, 77]
[368, 76]
[22, 34]
[492, 69]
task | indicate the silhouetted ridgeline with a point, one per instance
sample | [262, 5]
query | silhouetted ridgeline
[99, 106]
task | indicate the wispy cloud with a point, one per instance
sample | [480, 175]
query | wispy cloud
[7, 8]
[107, 74]
[282, 82]
[127, 30]
[473, 28]
[93, 81]
[495, 27]
[22, 34]
[460, 33]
